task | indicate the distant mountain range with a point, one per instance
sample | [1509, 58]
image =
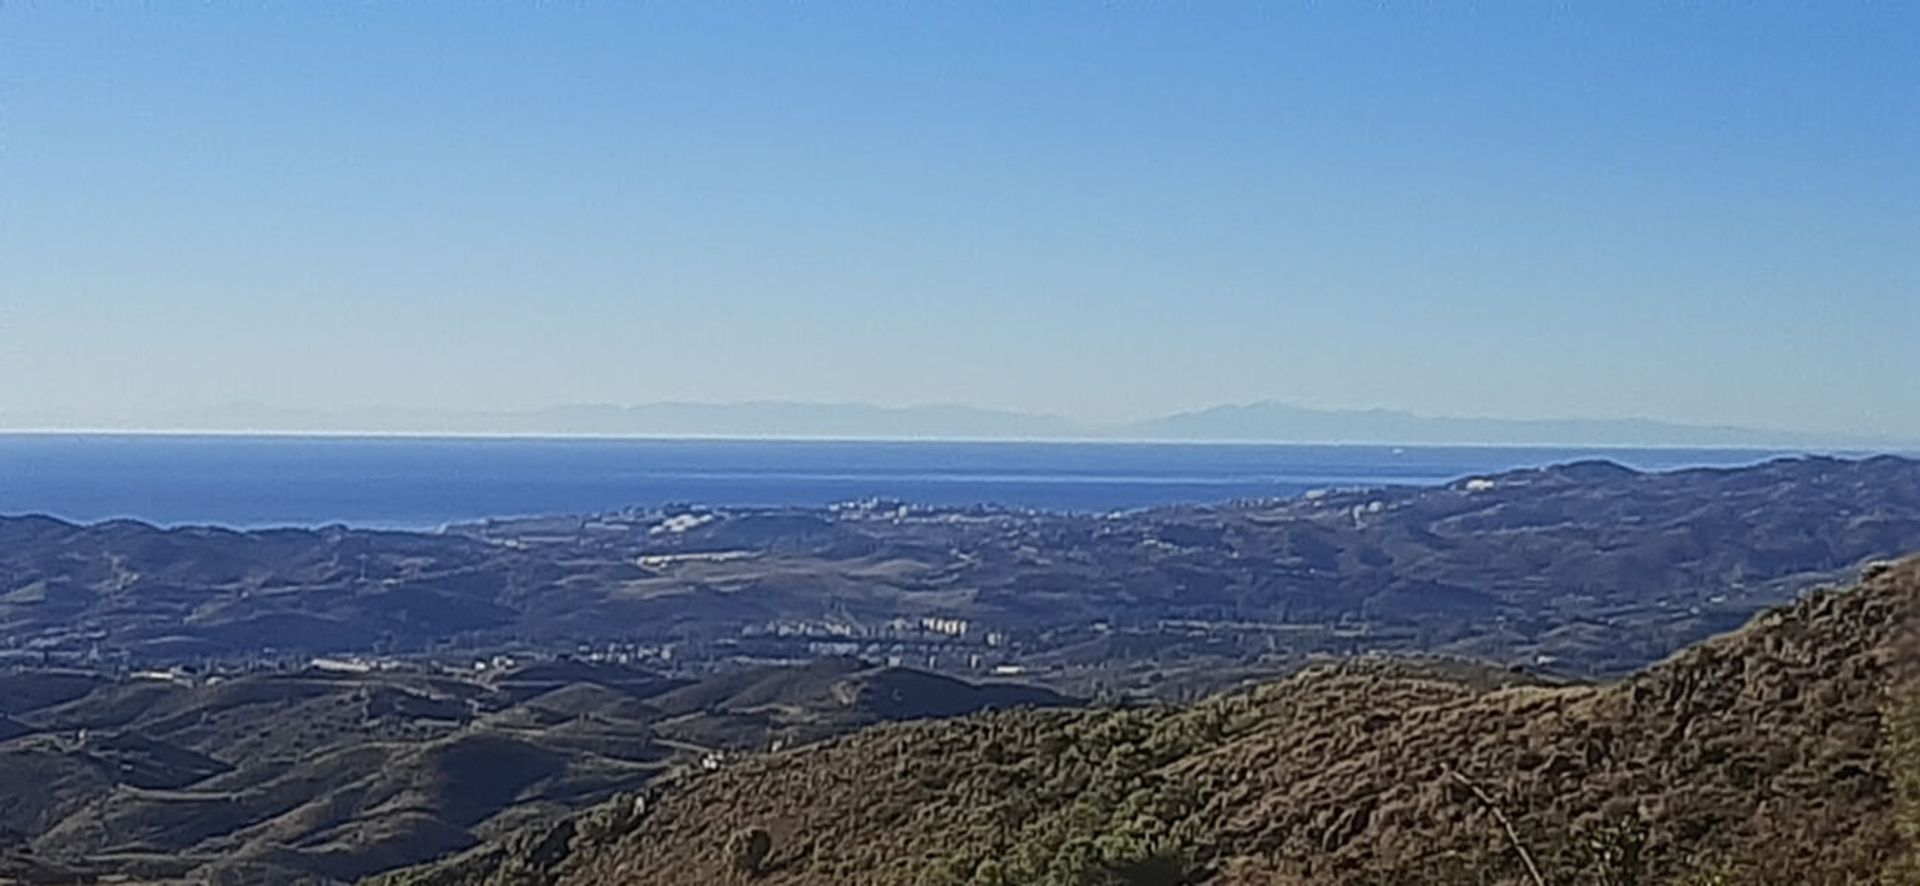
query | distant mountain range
[1272, 421]
[1491, 567]
[1266, 421]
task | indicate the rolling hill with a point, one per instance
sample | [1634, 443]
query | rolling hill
[1760, 757]
[1590, 568]
[322, 776]
[158, 719]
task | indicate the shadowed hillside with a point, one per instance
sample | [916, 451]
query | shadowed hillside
[324, 776]
[1763, 756]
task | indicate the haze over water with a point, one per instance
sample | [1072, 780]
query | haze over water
[410, 482]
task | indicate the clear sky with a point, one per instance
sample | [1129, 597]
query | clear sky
[1694, 212]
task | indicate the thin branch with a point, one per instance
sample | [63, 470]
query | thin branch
[1526, 857]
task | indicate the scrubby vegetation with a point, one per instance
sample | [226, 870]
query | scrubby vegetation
[1776, 755]
[1903, 754]
[329, 776]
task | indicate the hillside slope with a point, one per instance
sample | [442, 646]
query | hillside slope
[321, 776]
[1757, 757]
[1592, 567]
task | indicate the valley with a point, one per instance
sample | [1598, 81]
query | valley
[319, 706]
[1586, 569]
[324, 775]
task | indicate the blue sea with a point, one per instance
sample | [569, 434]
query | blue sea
[411, 482]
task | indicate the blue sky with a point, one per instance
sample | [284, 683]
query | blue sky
[1703, 213]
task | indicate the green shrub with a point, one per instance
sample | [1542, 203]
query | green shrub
[748, 849]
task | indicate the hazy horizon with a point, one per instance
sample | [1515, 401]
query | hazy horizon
[1264, 422]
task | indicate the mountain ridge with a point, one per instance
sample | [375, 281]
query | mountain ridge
[1591, 567]
[1268, 421]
